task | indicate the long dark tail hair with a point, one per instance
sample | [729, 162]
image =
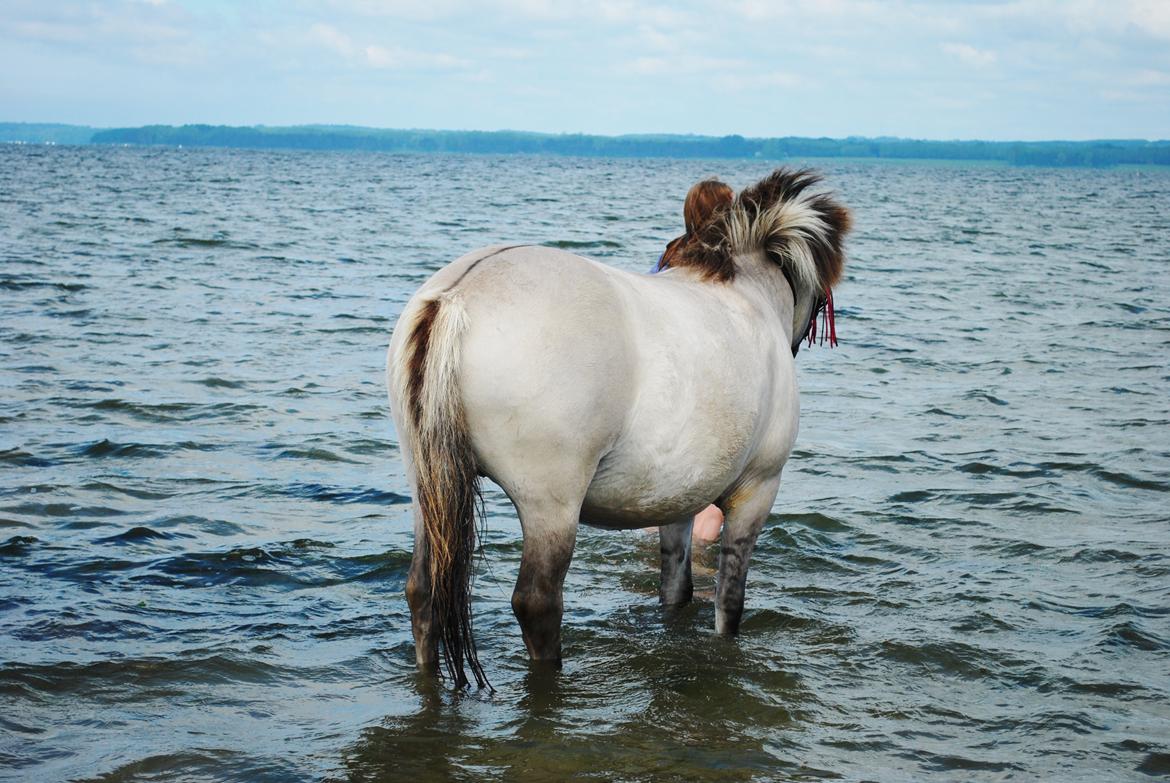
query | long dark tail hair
[445, 472]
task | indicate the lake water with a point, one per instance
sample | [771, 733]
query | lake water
[205, 525]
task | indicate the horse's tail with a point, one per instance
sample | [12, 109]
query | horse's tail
[425, 374]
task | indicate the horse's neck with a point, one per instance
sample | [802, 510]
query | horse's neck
[763, 282]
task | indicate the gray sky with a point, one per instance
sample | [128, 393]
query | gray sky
[992, 69]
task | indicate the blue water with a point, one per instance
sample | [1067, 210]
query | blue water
[204, 522]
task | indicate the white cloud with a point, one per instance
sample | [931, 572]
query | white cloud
[740, 82]
[379, 56]
[760, 10]
[980, 58]
[427, 10]
[726, 74]
[681, 64]
[647, 66]
[1151, 78]
[132, 31]
[509, 52]
[536, 9]
[409, 59]
[1150, 16]
[627, 12]
[332, 38]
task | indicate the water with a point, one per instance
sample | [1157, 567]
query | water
[204, 523]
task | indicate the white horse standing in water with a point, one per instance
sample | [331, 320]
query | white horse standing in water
[597, 396]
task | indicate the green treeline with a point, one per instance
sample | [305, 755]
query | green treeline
[333, 137]
[1048, 153]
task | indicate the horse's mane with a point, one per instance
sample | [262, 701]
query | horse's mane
[798, 228]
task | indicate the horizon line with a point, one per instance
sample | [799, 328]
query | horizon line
[638, 134]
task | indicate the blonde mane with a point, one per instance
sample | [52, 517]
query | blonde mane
[796, 227]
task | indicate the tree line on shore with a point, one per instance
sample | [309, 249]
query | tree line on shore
[331, 137]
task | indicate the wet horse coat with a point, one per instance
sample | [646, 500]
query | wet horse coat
[596, 396]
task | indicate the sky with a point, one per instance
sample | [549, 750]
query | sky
[951, 69]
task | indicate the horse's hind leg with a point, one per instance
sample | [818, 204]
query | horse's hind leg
[674, 545]
[550, 532]
[418, 597]
[745, 511]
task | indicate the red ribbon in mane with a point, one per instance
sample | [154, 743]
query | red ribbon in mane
[828, 324]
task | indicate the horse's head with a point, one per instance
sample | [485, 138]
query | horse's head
[795, 226]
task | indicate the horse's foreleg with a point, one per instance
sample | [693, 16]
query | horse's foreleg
[745, 511]
[675, 547]
[418, 597]
[538, 601]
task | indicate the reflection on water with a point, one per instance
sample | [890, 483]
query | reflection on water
[552, 725]
[204, 526]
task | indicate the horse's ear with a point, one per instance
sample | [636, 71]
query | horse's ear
[829, 253]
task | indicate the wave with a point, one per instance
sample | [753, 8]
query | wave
[123, 679]
[298, 564]
[213, 382]
[140, 534]
[205, 243]
[59, 509]
[191, 522]
[108, 449]
[24, 459]
[315, 454]
[1131, 634]
[109, 488]
[206, 764]
[168, 412]
[962, 660]
[18, 546]
[24, 284]
[346, 495]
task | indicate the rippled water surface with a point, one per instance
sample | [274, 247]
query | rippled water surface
[204, 522]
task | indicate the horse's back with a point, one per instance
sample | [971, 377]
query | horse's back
[546, 363]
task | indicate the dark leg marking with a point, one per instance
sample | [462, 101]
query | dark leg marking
[538, 600]
[422, 613]
[674, 546]
[744, 519]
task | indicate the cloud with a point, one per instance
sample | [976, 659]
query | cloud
[681, 65]
[980, 58]
[1151, 78]
[627, 12]
[848, 10]
[1149, 18]
[379, 56]
[428, 11]
[332, 38]
[724, 74]
[127, 30]
[509, 52]
[758, 81]
[406, 59]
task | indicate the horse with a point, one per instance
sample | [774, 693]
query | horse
[596, 396]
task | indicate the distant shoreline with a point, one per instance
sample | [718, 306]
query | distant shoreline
[346, 137]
